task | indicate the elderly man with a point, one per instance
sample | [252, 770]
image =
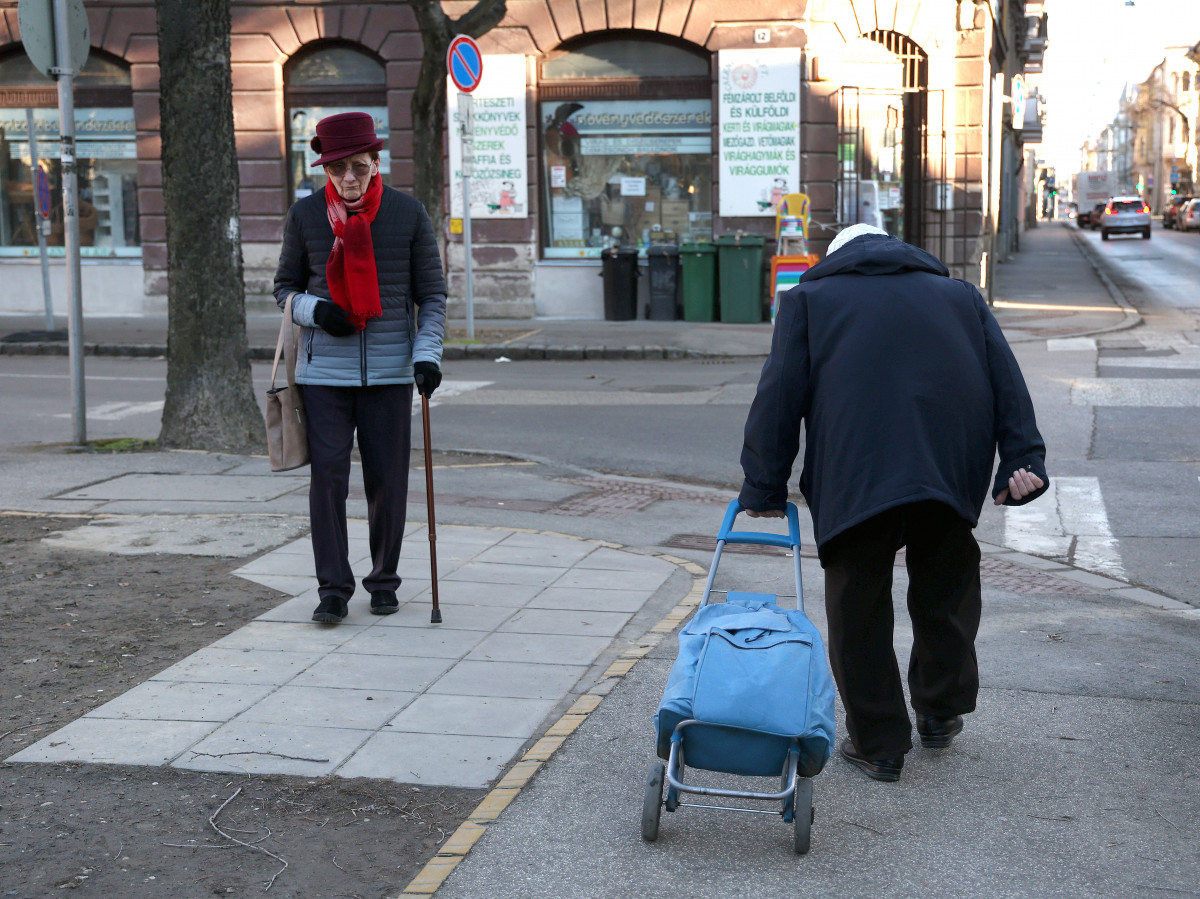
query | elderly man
[906, 388]
[362, 269]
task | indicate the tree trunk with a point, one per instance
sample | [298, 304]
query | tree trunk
[210, 403]
[429, 98]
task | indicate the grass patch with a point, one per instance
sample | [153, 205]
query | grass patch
[124, 445]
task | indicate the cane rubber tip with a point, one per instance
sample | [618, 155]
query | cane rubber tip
[435, 617]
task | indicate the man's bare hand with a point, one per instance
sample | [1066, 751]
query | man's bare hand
[1020, 485]
[770, 513]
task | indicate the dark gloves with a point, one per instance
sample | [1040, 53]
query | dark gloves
[331, 318]
[428, 376]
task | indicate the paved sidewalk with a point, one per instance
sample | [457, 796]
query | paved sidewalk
[526, 615]
[1052, 289]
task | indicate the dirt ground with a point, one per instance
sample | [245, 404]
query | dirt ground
[80, 629]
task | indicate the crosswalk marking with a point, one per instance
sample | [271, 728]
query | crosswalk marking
[1071, 344]
[1159, 393]
[446, 390]
[1068, 523]
[117, 411]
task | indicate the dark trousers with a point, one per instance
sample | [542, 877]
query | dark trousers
[944, 604]
[382, 418]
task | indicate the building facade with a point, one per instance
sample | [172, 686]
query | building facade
[598, 122]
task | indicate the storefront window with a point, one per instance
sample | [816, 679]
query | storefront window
[107, 160]
[626, 148]
[325, 82]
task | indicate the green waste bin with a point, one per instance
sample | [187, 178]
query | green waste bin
[699, 264]
[740, 264]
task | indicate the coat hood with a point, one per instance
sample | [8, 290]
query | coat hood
[874, 254]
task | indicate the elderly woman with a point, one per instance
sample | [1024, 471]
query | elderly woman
[362, 269]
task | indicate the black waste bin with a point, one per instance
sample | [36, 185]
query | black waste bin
[663, 262]
[619, 267]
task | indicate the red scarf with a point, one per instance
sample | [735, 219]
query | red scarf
[351, 273]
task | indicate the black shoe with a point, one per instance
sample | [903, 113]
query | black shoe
[331, 610]
[938, 733]
[383, 602]
[878, 769]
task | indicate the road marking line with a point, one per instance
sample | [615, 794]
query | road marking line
[1069, 523]
[448, 389]
[1071, 344]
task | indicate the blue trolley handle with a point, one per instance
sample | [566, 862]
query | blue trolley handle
[759, 538]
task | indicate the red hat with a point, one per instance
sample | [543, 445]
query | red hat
[344, 134]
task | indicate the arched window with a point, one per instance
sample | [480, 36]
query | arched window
[626, 144]
[106, 149]
[323, 80]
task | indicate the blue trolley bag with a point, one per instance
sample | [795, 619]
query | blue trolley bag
[757, 671]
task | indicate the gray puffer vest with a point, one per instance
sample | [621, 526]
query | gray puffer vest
[412, 294]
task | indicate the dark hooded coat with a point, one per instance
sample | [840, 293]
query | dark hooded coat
[905, 385]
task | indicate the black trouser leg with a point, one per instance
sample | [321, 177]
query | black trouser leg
[331, 415]
[858, 602]
[944, 602]
[384, 442]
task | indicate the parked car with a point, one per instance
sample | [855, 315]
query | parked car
[1125, 215]
[1171, 213]
[1097, 212]
[1189, 216]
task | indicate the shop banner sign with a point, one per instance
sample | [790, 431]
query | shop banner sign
[759, 129]
[499, 184]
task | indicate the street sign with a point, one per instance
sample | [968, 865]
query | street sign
[36, 20]
[464, 63]
[43, 192]
[1018, 101]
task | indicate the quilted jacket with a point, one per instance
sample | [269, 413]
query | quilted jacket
[412, 293]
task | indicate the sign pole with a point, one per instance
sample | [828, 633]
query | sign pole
[466, 106]
[39, 216]
[66, 128]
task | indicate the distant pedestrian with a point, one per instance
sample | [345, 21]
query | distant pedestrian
[362, 266]
[906, 388]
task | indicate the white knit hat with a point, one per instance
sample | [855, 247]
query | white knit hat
[848, 234]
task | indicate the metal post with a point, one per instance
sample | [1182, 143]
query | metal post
[465, 113]
[66, 130]
[39, 219]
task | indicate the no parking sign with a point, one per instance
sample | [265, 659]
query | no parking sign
[465, 63]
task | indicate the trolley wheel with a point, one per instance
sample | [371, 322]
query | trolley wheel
[652, 803]
[803, 815]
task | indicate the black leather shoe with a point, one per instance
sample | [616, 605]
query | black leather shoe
[938, 733]
[331, 610]
[383, 602]
[878, 769]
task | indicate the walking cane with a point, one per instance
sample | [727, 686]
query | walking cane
[435, 616]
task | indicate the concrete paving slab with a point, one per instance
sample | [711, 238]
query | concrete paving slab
[552, 554]
[585, 599]
[613, 559]
[329, 707]
[608, 579]
[520, 680]
[435, 642]
[239, 666]
[495, 573]
[203, 535]
[287, 636]
[184, 488]
[357, 671]
[117, 741]
[465, 616]
[177, 701]
[482, 593]
[549, 649]
[256, 747]
[285, 584]
[478, 716]
[432, 759]
[560, 621]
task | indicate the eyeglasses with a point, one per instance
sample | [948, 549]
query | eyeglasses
[338, 169]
